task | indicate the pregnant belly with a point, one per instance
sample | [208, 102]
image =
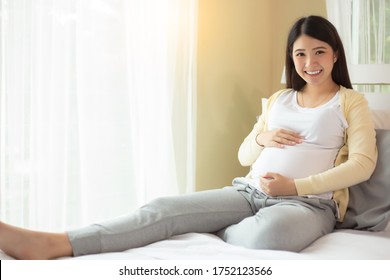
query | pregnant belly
[293, 162]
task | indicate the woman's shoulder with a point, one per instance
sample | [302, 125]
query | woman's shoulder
[353, 103]
[349, 93]
[282, 91]
[350, 96]
[276, 95]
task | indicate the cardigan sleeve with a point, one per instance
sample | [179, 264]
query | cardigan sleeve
[357, 158]
[249, 150]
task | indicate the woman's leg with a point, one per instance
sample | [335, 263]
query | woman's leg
[27, 244]
[207, 211]
[283, 224]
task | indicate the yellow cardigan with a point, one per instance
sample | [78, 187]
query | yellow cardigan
[354, 163]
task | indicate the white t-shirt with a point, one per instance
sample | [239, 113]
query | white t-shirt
[322, 129]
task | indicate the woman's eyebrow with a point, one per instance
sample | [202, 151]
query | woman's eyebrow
[318, 48]
[314, 49]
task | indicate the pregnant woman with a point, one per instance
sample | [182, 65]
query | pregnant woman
[313, 141]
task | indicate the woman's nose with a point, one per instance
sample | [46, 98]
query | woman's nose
[310, 60]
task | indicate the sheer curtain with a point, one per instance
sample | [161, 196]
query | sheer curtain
[97, 107]
[364, 26]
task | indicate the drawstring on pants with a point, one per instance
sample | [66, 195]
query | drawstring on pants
[252, 192]
[255, 193]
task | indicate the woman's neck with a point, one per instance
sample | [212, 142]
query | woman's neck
[313, 96]
[318, 90]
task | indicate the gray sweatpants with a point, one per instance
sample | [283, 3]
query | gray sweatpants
[240, 215]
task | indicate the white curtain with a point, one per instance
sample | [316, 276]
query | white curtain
[97, 107]
[364, 26]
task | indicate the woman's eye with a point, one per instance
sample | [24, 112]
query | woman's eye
[300, 54]
[320, 52]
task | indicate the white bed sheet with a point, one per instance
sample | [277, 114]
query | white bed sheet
[338, 245]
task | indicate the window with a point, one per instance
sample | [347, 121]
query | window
[364, 26]
[88, 107]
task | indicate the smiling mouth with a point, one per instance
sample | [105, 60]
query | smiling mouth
[313, 73]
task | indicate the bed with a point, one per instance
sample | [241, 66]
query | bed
[368, 215]
[338, 245]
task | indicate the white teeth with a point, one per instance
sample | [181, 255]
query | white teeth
[313, 73]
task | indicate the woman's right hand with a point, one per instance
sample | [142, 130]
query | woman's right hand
[278, 138]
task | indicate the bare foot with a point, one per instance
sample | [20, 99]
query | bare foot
[26, 244]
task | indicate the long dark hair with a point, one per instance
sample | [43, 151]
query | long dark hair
[320, 29]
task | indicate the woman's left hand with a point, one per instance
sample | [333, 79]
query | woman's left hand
[275, 184]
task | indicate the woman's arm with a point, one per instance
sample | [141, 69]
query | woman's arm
[250, 150]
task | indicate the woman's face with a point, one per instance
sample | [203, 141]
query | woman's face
[313, 60]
